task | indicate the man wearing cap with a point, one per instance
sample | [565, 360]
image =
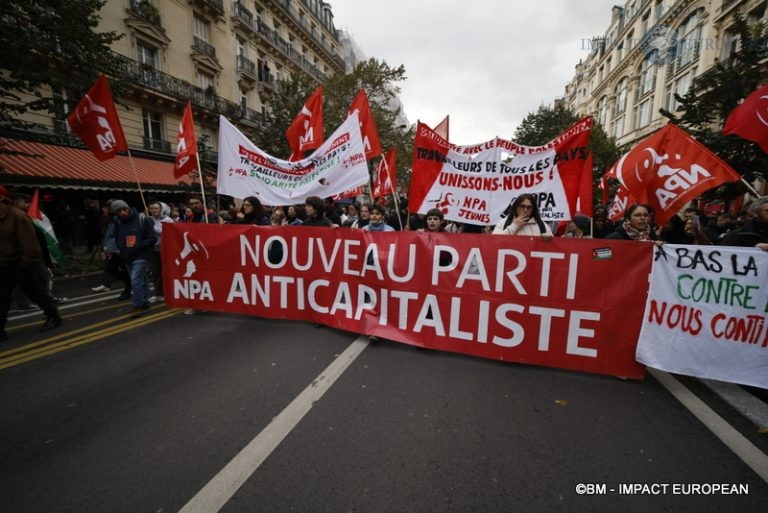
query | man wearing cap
[135, 236]
[20, 253]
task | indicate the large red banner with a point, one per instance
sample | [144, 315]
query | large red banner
[574, 304]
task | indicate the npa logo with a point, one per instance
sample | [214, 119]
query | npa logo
[193, 250]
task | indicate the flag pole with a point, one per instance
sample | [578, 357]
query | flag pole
[136, 176]
[394, 193]
[202, 189]
[751, 189]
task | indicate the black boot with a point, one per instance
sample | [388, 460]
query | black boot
[51, 323]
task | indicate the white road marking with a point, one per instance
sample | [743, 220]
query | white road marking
[744, 449]
[214, 495]
[69, 304]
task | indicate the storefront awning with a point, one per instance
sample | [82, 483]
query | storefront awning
[61, 166]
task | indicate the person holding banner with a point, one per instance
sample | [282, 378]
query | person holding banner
[252, 212]
[523, 218]
[434, 219]
[198, 211]
[293, 216]
[636, 225]
[314, 207]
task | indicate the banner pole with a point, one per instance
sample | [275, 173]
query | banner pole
[138, 184]
[202, 189]
[394, 193]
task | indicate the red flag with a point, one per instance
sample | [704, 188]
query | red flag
[670, 168]
[750, 119]
[34, 206]
[306, 131]
[186, 147]
[367, 125]
[382, 184]
[621, 200]
[441, 128]
[96, 122]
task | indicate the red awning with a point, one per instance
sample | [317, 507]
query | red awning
[65, 163]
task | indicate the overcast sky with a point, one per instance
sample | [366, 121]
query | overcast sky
[487, 63]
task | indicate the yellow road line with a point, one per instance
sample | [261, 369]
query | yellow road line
[66, 334]
[69, 316]
[86, 338]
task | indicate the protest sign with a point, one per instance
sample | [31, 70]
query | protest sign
[337, 166]
[706, 313]
[475, 184]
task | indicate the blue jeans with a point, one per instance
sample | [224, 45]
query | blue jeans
[139, 271]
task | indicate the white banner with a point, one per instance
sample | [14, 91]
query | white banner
[706, 314]
[475, 184]
[337, 166]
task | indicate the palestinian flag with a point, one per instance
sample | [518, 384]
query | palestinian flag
[42, 222]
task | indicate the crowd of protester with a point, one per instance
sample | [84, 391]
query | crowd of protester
[130, 240]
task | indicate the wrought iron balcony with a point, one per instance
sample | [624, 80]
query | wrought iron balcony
[243, 17]
[252, 117]
[146, 10]
[150, 78]
[246, 66]
[156, 145]
[214, 6]
[204, 47]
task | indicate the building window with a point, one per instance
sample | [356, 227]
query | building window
[204, 81]
[618, 127]
[644, 24]
[153, 130]
[621, 96]
[689, 41]
[679, 87]
[643, 112]
[647, 77]
[202, 29]
[602, 111]
[146, 54]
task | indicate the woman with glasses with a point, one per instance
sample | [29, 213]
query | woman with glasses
[636, 225]
[523, 219]
[252, 212]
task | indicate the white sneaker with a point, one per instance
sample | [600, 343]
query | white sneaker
[189, 311]
[153, 299]
[100, 288]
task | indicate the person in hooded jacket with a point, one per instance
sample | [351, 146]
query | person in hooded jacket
[135, 238]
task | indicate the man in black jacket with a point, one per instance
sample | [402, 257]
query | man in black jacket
[754, 234]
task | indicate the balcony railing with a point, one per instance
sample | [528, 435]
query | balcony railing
[204, 47]
[146, 10]
[156, 145]
[151, 78]
[216, 6]
[271, 36]
[243, 65]
[301, 22]
[251, 116]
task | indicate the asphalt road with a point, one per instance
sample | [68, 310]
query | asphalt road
[110, 414]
